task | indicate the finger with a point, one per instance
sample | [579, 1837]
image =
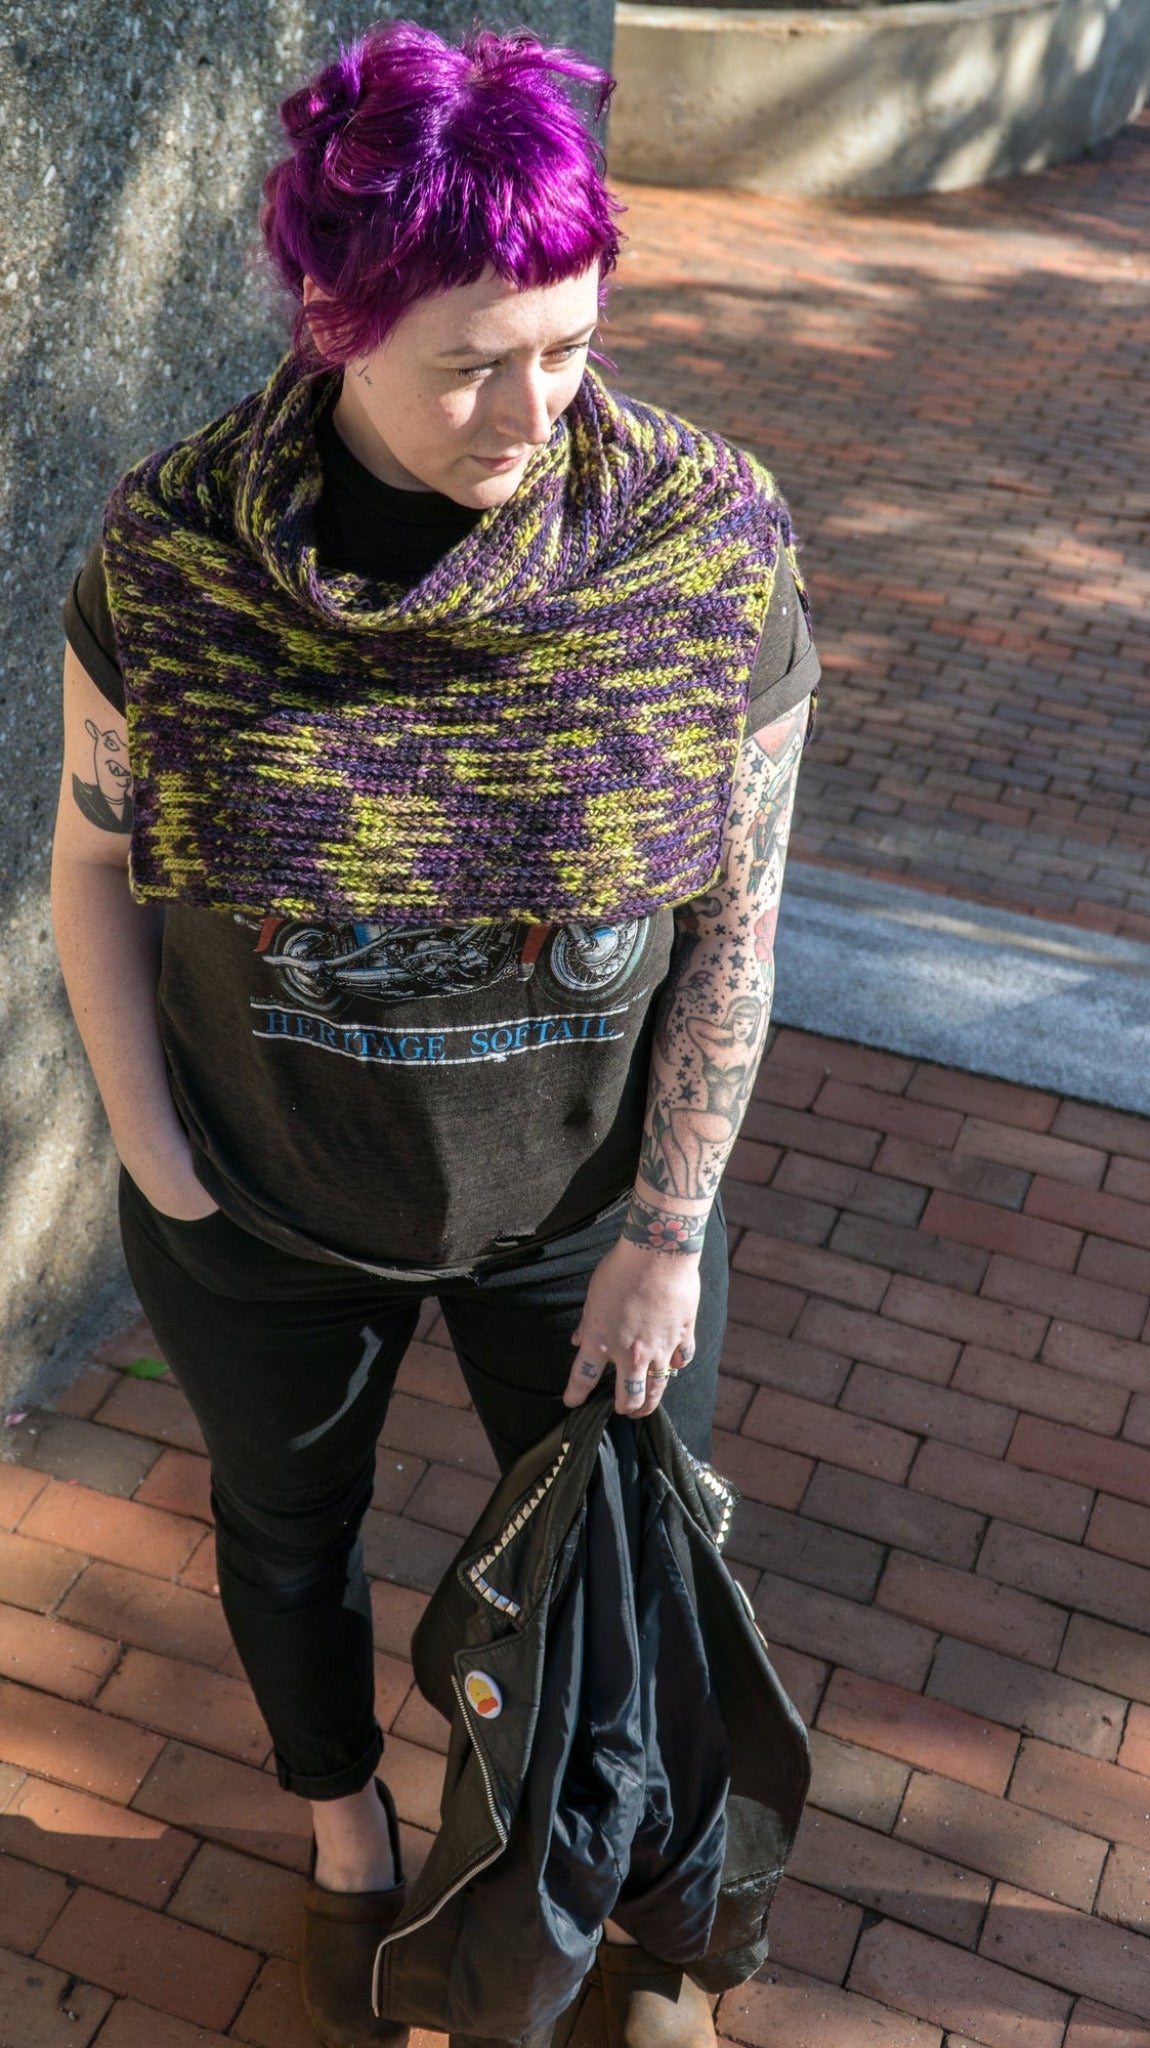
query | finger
[630, 1390]
[658, 1380]
[683, 1353]
[585, 1376]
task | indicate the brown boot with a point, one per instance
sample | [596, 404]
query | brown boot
[584, 2024]
[342, 1931]
[649, 2004]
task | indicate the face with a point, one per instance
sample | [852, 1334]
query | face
[109, 764]
[745, 1021]
[468, 385]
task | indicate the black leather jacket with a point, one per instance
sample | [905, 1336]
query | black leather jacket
[620, 1745]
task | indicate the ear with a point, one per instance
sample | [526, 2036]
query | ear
[91, 728]
[314, 300]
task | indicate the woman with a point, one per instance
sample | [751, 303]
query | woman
[452, 876]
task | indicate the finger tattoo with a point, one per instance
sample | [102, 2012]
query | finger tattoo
[635, 1388]
[589, 1371]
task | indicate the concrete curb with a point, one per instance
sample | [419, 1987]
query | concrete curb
[871, 100]
[1046, 1005]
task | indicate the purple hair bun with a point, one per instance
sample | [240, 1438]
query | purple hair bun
[418, 164]
[320, 109]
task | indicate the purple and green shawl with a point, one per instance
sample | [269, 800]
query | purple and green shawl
[545, 728]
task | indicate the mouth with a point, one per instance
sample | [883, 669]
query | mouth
[495, 463]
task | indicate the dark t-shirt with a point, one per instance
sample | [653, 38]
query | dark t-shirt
[413, 1098]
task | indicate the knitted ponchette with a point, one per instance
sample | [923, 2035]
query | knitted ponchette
[544, 728]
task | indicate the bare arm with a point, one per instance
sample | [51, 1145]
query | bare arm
[109, 950]
[642, 1301]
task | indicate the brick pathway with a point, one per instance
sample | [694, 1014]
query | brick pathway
[937, 1404]
[954, 392]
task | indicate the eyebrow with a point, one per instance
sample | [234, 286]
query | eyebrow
[568, 341]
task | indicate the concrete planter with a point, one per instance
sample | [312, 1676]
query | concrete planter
[905, 98]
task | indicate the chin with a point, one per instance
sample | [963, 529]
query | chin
[489, 491]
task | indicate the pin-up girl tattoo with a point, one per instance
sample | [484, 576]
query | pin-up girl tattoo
[106, 801]
[684, 1150]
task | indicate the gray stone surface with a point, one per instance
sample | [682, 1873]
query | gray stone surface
[133, 138]
[871, 99]
[68, 1448]
[991, 991]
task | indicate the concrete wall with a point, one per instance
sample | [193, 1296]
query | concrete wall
[133, 137]
[882, 99]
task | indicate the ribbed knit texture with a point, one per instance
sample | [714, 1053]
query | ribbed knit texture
[545, 728]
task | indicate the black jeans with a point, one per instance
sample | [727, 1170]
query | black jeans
[289, 1365]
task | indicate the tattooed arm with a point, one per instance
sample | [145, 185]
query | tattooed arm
[716, 1007]
[109, 950]
[709, 1038]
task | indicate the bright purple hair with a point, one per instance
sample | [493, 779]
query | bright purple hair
[416, 164]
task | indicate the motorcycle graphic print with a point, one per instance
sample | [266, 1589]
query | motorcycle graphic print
[330, 968]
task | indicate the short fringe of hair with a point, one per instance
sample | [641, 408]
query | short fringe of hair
[417, 164]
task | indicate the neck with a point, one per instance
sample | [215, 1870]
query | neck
[356, 432]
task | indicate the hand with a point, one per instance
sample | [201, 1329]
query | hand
[639, 1314]
[170, 1185]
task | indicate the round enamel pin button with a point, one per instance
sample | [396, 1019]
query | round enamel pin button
[484, 1695]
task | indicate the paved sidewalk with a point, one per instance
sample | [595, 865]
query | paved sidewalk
[937, 1404]
[954, 393]
[992, 991]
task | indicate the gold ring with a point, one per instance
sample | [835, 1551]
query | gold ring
[661, 1372]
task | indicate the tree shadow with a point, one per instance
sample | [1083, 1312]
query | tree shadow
[1051, 1955]
[955, 416]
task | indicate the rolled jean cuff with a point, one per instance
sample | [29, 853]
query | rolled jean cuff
[336, 1784]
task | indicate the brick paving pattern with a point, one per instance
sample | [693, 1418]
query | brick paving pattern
[936, 1401]
[954, 393]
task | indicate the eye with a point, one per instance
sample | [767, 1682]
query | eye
[555, 358]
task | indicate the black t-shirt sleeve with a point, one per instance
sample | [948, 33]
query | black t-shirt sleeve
[88, 626]
[786, 666]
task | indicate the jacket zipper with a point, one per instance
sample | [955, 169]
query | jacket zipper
[473, 1871]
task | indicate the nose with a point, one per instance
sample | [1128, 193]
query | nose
[526, 415]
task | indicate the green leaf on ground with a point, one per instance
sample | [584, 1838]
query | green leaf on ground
[147, 1369]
